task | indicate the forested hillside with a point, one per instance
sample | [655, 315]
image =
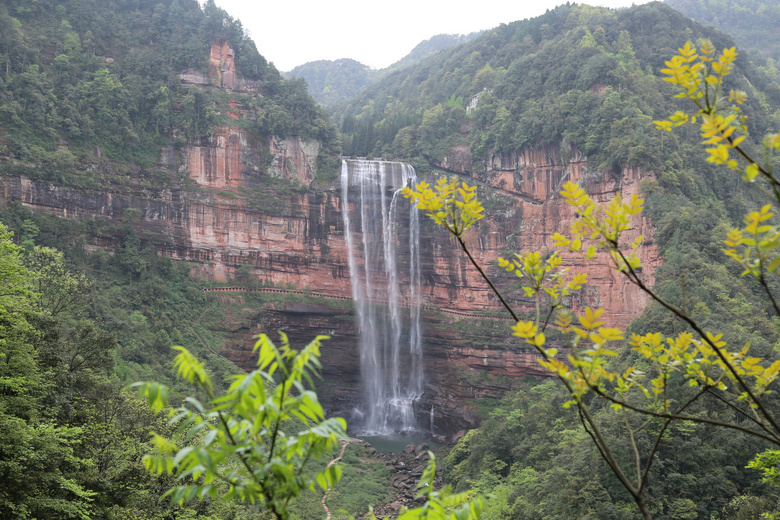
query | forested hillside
[334, 82]
[430, 47]
[564, 76]
[84, 79]
[588, 79]
[753, 23]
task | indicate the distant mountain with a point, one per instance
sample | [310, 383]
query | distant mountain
[753, 23]
[432, 46]
[336, 81]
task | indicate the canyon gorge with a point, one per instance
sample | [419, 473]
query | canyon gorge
[260, 209]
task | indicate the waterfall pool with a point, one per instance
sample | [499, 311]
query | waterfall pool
[397, 443]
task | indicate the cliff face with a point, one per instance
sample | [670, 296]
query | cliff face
[464, 360]
[221, 225]
[532, 178]
[225, 209]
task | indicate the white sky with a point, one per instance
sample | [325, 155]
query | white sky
[291, 33]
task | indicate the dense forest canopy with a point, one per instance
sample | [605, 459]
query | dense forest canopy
[753, 23]
[579, 75]
[431, 47]
[81, 74]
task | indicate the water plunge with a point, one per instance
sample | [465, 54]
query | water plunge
[387, 299]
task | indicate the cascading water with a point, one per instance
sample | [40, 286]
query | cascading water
[387, 301]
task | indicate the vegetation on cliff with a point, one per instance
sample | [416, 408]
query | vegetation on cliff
[577, 75]
[82, 80]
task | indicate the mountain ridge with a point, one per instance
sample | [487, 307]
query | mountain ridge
[334, 82]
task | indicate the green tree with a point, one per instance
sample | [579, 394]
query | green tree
[247, 451]
[38, 460]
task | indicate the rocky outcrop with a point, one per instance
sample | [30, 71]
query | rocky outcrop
[294, 159]
[229, 223]
[217, 161]
[222, 72]
[533, 178]
[231, 158]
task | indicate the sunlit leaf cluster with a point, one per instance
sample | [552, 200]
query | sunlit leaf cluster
[755, 246]
[241, 445]
[542, 275]
[601, 226]
[450, 203]
[699, 74]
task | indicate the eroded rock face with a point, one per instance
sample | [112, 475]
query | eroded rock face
[294, 159]
[229, 223]
[222, 72]
[534, 177]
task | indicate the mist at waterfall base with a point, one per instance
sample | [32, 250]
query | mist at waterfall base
[382, 233]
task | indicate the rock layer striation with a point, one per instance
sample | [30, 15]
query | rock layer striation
[249, 207]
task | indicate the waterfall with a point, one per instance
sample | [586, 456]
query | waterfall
[387, 299]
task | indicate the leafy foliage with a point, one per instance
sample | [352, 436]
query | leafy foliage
[243, 439]
[244, 443]
[452, 205]
[39, 459]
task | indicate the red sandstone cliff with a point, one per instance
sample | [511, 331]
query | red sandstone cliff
[533, 177]
[224, 217]
[300, 241]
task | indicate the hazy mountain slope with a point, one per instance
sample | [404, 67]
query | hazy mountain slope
[431, 46]
[563, 76]
[336, 81]
[753, 23]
